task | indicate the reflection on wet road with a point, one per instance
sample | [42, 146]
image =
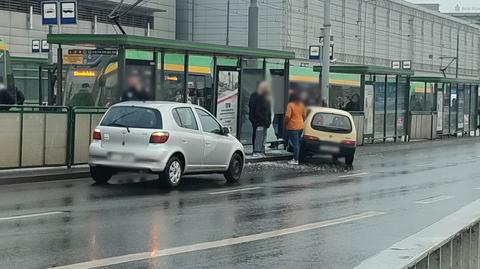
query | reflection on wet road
[320, 215]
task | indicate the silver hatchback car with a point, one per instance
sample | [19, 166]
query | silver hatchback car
[170, 139]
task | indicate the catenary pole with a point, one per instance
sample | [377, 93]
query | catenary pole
[325, 78]
[253, 24]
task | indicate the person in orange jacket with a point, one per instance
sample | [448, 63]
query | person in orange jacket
[294, 119]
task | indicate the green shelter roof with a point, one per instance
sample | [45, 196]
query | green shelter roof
[444, 80]
[152, 43]
[365, 69]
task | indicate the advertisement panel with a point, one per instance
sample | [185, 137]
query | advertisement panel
[368, 101]
[227, 100]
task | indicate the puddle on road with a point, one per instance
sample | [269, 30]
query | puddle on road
[302, 168]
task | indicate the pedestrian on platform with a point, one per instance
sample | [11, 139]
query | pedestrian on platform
[294, 120]
[260, 115]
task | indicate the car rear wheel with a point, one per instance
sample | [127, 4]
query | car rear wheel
[100, 174]
[235, 168]
[172, 174]
[349, 159]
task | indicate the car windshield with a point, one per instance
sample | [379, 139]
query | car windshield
[133, 117]
[329, 122]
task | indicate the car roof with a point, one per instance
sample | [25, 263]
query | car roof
[154, 104]
[317, 109]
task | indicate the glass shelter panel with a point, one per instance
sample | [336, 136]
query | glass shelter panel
[391, 93]
[402, 92]
[251, 75]
[453, 107]
[379, 122]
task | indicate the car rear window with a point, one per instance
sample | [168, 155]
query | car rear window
[133, 117]
[329, 122]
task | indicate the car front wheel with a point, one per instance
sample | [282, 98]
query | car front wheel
[235, 168]
[172, 174]
[100, 174]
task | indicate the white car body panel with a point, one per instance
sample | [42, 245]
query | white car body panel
[202, 151]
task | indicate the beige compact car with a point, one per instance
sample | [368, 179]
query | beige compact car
[329, 131]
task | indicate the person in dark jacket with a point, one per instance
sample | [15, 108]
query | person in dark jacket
[260, 116]
[135, 90]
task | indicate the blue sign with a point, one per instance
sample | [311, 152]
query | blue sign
[35, 45]
[314, 52]
[49, 13]
[68, 12]
[45, 47]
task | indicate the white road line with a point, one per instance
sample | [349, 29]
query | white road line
[219, 243]
[423, 164]
[354, 175]
[236, 190]
[32, 215]
[434, 199]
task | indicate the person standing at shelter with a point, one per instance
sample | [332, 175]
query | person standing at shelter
[294, 120]
[260, 115]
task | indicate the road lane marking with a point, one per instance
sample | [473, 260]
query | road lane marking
[476, 188]
[219, 243]
[32, 215]
[433, 199]
[235, 190]
[424, 164]
[354, 175]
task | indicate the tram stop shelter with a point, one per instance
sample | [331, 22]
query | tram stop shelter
[377, 95]
[454, 101]
[217, 77]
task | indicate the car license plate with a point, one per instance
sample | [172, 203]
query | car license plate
[332, 149]
[121, 157]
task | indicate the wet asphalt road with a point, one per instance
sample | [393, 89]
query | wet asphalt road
[80, 221]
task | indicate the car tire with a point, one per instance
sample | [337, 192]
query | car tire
[235, 168]
[349, 159]
[100, 175]
[172, 174]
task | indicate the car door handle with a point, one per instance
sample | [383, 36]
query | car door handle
[208, 143]
[184, 141]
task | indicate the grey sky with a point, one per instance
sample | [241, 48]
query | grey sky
[449, 5]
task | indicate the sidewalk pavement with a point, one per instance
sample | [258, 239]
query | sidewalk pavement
[28, 175]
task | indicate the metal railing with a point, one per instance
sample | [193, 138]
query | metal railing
[36, 136]
[359, 121]
[83, 121]
[451, 243]
[422, 125]
[33, 136]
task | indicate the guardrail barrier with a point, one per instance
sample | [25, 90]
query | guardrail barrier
[359, 121]
[422, 125]
[83, 122]
[451, 243]
[33, 136]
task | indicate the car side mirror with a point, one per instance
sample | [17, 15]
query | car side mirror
[225, 131]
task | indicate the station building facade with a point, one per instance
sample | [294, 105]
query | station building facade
[20, 23]
[369, 32]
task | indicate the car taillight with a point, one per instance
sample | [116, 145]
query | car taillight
[310, 137]
[159, 137]
[348, 142]
[97, 135]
